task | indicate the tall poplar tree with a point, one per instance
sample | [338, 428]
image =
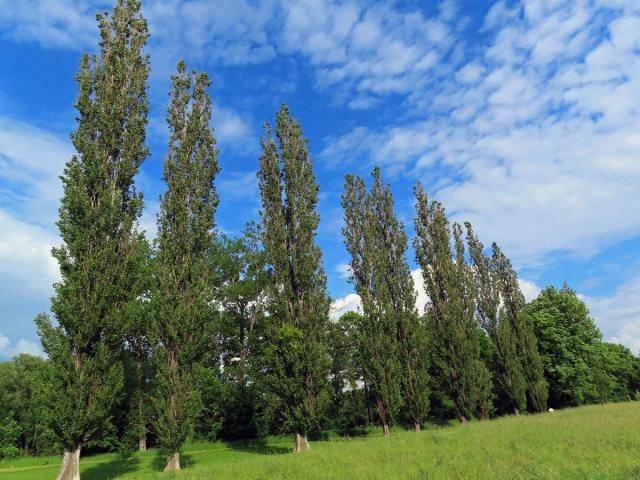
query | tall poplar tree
[451, 310]
[297, 363]
[378, 243]
[498, 325]
[377, 331]
[97, 221]
[523, 329]
[185, 231]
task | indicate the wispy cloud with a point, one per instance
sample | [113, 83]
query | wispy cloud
[10, 350]
[233, 130]
[534, 139]
[52, 23]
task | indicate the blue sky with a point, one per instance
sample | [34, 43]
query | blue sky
[520, 116]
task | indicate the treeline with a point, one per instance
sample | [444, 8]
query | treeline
[200, 335]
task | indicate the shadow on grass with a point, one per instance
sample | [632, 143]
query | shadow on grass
[160, 461]
[115, 468]
[260, 447]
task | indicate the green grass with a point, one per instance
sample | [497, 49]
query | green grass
[594, 442]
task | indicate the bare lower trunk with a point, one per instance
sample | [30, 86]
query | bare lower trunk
[516, 412]
[463, 419]
[416, 427]
[142, 443]
[70, 468]
[301, 443]
[173, 462]
[385, 429]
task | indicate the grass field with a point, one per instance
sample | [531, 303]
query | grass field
[594, 442]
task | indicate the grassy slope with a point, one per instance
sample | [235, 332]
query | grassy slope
[594, 442]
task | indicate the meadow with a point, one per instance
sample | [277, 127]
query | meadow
[592, 442]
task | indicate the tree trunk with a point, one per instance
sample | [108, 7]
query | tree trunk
[416, 426]
[301, 443]
[173, 462]
[142, 443]
[516, 412]
[70, 468]
[366, 394]
[385, 429]
[463, 419]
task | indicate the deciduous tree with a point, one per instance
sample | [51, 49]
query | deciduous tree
[184, 295]
[451, 309]
[97, 222]
[297, 362]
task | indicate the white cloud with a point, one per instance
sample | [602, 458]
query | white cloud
[8, 350]
[26, 263]
[618, 316]
[421, 295]
[344, 269]
[370, 49]
[233, 130]
[31, 159]
[352, 302]
[529, 289]
[349, 303]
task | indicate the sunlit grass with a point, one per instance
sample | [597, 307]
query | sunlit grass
[594, 442]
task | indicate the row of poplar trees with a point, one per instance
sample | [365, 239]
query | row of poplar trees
[108, 300]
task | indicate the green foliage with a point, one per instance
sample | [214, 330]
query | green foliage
[376, 329]
[98, 214]
[579, 367]
[391, 334]
[451, 288]
[183, 295]
[348, 407]
[23, 390]
[500, 305]
[294, 358]
[10, 431]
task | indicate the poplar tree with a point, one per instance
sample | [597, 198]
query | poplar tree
[377, 331]
[498, 325]
[297, 361]
[451, 309]
[523, 330]
[97, 222]
[185, 231]
[378, 243]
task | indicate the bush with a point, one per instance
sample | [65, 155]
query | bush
[10, 431]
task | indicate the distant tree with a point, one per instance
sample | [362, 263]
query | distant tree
[297, 365]
[185, 230]
[377, 328]
[617, 373]
[578, 366]
[139, 367]
[98, 216]
[375, 231]
[23, 395]
[451, 310]
[349, 403]
[241, 276]
[239, 264]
